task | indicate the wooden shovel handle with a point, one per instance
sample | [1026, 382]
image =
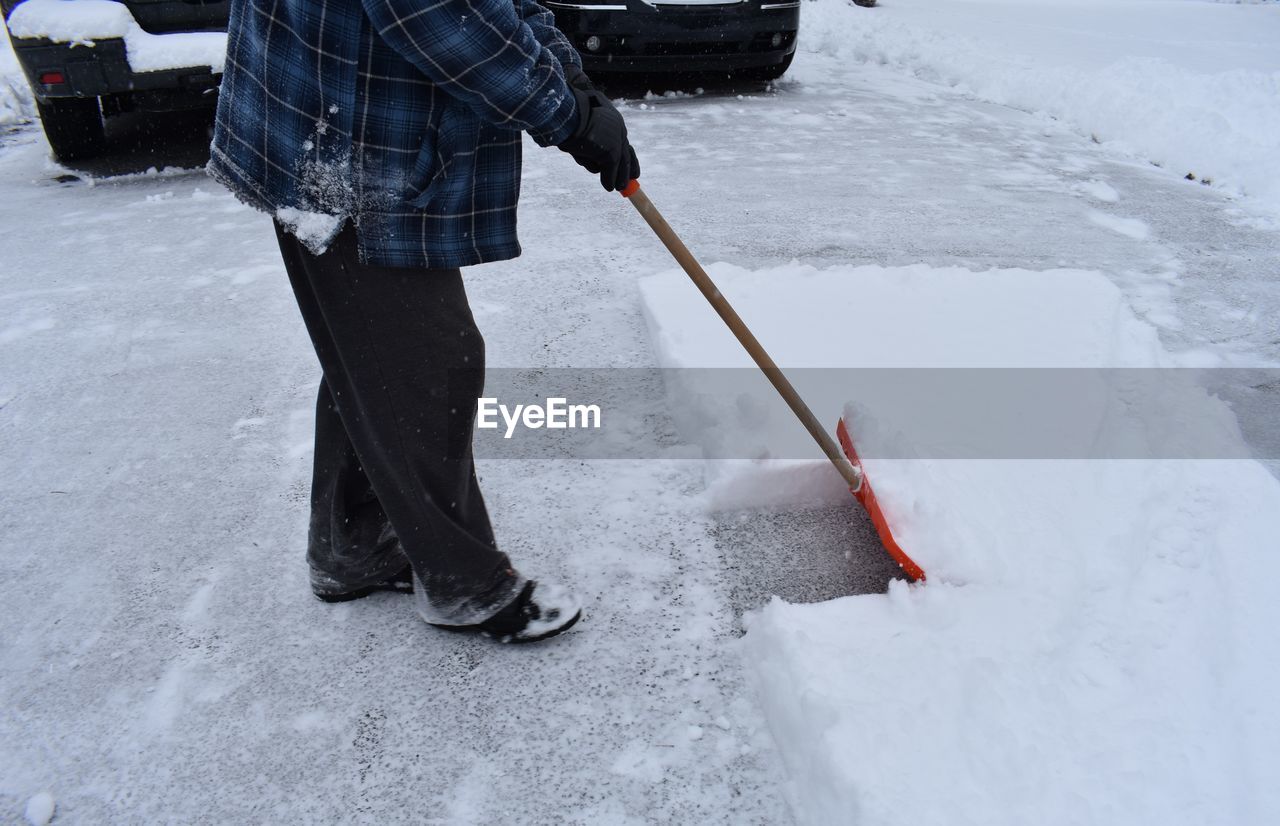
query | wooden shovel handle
[851, 475]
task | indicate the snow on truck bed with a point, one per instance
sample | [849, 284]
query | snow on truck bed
[1096, 641]
[83, 22]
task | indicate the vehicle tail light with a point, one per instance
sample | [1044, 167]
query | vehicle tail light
[51, 78]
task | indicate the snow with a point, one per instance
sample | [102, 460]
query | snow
[39, 809]
[972, 387]
[1101, 190]
[1055, 669]
[1128, 227]
[315, 229]
[157, 52]
[156, 400]
[870, 316]
[1191, 85]
[82, 22]
[71, 21]
[16, 104]
[162, 646]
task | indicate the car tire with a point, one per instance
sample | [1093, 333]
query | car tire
[73, 127]
[773, 72]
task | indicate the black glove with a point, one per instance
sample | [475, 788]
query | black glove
[600, 142]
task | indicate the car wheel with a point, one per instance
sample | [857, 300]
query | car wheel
[73, 127]
[768, 72]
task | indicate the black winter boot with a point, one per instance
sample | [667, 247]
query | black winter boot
[539, 611]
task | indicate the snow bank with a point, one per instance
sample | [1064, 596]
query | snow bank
[871, 316]
[1095, 642]
[16, 105]
[40, 808]
[1193, 86]
[83, 22]
[859, 327]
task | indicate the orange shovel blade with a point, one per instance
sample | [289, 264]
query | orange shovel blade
[867, 497]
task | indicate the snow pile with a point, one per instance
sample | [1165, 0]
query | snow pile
[834, 324]
[1192, 86]
[39, 809]
[16, 103]
[1095, 643]
[82, 22]
[314, 229]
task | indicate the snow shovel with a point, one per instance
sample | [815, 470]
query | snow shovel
[846, 461]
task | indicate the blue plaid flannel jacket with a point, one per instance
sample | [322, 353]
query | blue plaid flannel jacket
[403, 116]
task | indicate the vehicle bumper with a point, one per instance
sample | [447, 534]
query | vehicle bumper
[103, 70]
[638, 37]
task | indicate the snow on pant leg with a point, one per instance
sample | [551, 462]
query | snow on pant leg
[350, 541]
[404, 363]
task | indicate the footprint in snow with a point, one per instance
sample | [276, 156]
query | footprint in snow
[1099, 190]
[1128, 227]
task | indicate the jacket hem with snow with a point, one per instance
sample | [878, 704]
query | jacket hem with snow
[405, 120]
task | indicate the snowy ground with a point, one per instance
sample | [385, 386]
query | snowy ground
[171, 663]
[1190, 84]
[162, 658]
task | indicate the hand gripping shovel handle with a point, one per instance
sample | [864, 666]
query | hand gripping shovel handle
[851, 475]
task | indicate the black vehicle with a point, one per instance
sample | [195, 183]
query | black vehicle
[75, 87]
[746, 38]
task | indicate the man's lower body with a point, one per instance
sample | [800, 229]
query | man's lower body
[394, 483]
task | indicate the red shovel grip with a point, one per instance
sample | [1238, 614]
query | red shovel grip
[630, 189]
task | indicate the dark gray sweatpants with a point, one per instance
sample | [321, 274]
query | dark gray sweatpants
[403, 366]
